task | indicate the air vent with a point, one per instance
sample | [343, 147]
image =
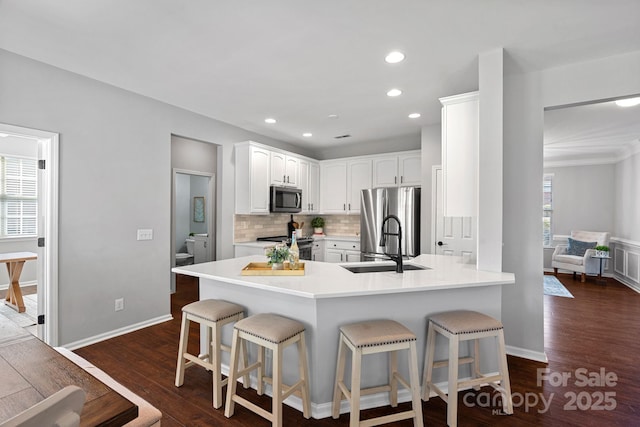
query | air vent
[342, 136]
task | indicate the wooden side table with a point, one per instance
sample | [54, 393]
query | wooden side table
[15, 262]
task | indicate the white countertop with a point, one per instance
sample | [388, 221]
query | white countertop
[327, 280]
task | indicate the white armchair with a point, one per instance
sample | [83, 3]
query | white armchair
[584, 264]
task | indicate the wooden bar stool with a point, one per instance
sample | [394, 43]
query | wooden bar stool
[370, 337]
[459, 326]
[275, 333]
[213, 314]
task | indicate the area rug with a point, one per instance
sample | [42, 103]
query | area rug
[552, 286]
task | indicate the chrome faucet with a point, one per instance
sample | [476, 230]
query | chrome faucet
[383, 242]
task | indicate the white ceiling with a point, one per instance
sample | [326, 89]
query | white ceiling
[591, 134]
[300, 60]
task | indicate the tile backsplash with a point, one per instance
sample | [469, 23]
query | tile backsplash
[249, 227]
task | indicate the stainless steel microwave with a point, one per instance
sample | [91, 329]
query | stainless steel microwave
[285, 199]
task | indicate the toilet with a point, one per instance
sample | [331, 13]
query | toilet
[186, 258]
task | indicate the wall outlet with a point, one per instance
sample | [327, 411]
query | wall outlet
[145, 234]
[119, 304]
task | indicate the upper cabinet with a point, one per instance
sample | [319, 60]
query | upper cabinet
[460, 138]
[341, 182]
[397, 170]
[309, 182]
[252, 178]
[284, 169]
[328, 187]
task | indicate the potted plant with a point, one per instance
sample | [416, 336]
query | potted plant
[602, 251]
[277, 255]
[317, 223]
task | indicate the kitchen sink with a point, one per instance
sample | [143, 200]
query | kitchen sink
[381, 268]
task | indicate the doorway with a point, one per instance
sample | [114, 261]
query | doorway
[29, 146]
[193, 233]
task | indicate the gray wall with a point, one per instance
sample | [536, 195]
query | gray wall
[627, 192]
[115, 162]
[583, 198]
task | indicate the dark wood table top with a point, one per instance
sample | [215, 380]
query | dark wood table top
[31, 371]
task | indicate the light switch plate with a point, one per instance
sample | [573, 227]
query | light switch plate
[145, 234]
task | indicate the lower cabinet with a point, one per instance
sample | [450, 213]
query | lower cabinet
[341, 251]
[317, 250]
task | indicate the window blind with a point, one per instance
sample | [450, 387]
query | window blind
[18, 196]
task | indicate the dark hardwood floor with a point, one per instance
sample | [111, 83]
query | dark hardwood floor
[595, 332]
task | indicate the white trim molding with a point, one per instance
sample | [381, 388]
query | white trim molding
[626, 262]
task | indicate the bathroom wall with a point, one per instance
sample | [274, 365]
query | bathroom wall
[249, 227]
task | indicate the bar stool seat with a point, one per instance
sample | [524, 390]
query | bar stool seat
[457, 326]
[213, 314]
[274, 332]
[370, 337]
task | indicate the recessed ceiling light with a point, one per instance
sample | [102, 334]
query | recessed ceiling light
[332, 116]
[629, 102]
[307, 134]
[394, 92]
[394, 57]
[4, 135]
[414, 115]
[270, 121]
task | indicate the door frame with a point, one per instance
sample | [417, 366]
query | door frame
[47, 264]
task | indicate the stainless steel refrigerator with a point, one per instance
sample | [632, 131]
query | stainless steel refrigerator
[375, 205]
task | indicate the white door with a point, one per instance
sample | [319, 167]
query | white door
[454, 236]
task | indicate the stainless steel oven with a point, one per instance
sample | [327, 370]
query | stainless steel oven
[305, 244]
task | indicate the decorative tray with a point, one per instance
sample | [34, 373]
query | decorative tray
[264, 269]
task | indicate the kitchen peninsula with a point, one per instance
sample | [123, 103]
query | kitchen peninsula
[328, 296]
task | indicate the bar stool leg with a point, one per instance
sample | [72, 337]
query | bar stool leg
[337, 391]
[260, 373]
[415, 385]
[452, 397]
[507, 401]
[476, 362]
[184, 336]
[214, 358]
[393, 382]
[428, 362]
[277, 386]
[233, 362]
[304, 369]
[356, 366]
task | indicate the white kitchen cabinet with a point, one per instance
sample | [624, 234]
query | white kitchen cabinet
[317, 250]
[309, 182]
[341, 251]
[284, 169]
[340, 185]
[252, 178]
[410, 169]
[460, 139]
[397, 170]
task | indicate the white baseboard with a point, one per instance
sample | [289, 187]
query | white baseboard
[628, 283]
[5, 286]
[527, 354]
[117, 332]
